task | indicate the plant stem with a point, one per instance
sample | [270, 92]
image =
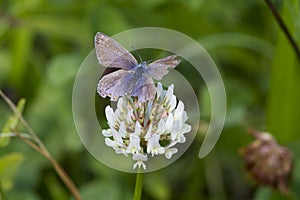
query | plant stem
[22, 120]
[138, 186]
[64, 176]
[283, 27]
[59, 170]
[40, 147]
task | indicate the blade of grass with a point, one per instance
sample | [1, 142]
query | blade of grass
[283, 27]
[283, 112]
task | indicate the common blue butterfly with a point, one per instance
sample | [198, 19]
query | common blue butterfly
[132, 78]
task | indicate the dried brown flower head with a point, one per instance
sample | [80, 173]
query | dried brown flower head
[268, 162]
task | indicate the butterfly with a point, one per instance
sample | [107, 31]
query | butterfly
[131, 78]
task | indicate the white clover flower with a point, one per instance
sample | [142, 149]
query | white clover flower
[169, 151]
[149, 128]
[139, 160]
[134, 145]
[153, 146]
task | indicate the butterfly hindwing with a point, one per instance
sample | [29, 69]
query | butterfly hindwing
[115, 84]
[144, 89]
[111, 54]
[159, 68]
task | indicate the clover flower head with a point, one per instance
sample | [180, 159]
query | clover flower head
[267, 162]
[150, 128]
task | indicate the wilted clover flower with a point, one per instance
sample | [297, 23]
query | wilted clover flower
[268, 162]
[147, 129]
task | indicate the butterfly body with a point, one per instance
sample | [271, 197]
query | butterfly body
[138, 73]
[133, 78]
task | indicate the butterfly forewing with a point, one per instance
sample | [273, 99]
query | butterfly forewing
[111, 54]
[159, 68]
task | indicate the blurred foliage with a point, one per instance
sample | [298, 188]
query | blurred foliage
[10, 162]
[11, 123]
[8, 167]
[42, 44]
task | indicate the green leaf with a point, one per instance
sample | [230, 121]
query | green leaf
[283, 106]
[9, 165]
[11, 123]
[5, 66]
[21, 50]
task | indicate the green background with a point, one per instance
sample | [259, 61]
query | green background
[43, 43]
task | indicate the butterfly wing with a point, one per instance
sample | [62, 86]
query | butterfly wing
[115, 84]
[159, 68]
[144, 89]
[111, 54]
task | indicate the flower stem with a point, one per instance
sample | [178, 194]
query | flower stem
[138, 186]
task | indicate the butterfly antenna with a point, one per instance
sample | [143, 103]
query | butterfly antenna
[148, 61]
[137, 53]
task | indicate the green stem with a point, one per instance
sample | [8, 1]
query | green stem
[138, 186]
[2, 195]
[283, 27]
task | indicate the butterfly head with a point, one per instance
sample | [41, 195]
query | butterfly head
[141, 65]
